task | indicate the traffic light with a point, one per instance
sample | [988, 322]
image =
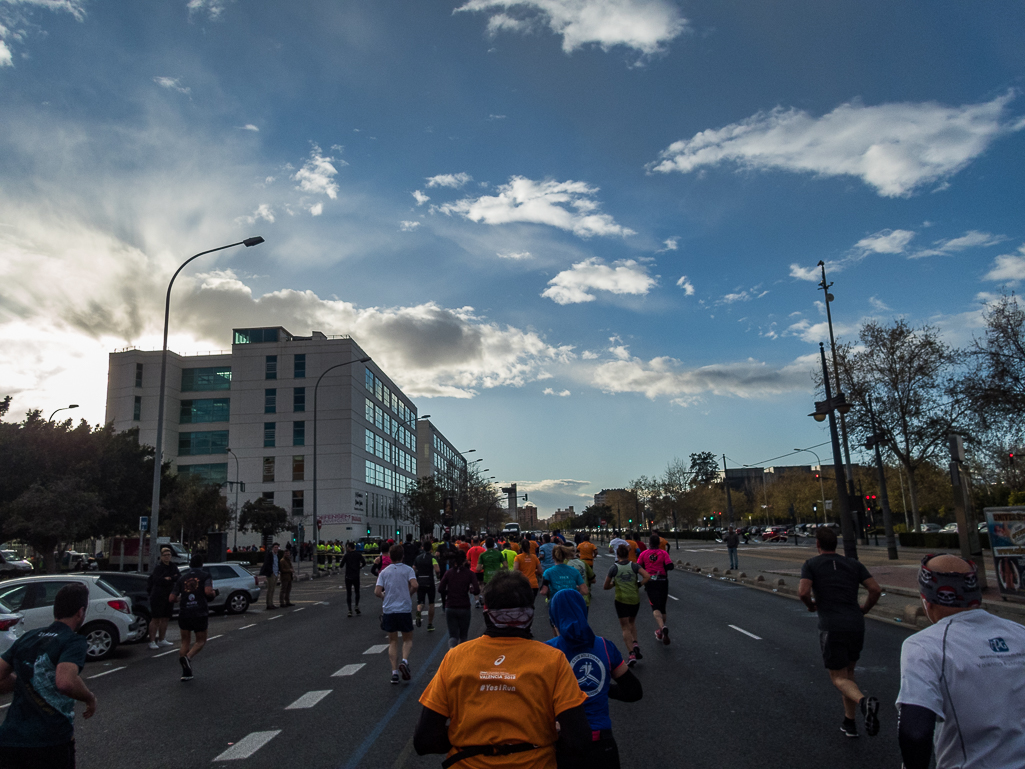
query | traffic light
[814, 507]
[1010, 458]
[368, 531]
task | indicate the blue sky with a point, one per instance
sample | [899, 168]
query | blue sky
[582, 235]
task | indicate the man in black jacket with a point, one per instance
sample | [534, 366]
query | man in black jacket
[732, 540]
[270, 571]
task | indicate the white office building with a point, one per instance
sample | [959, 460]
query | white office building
[248, 415]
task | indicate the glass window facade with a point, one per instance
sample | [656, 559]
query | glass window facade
[299, 467]
[269, 430]
[299, 399]
[205, 410]
[270, 400]
[391, 400]
[138, 375]
[268, 469]
[271, 371]
[380, 447]
[376, 416]
[201, 379]
[378, 475]
[256, 335]
[137, 409]
[269, 496]
[211, 473]
[298, 502]
[299, 369]
[298, 433]
[207, 442]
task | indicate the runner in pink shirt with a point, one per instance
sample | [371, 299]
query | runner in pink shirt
[658, 564]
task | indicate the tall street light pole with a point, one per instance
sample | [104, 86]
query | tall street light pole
[158, 452]
[874, 440]
[234, 547]
[822, 489]
[316, 388]
[729, 498]
[63, 408]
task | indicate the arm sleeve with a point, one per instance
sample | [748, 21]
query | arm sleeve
[626, 688]
[431, 735]
[915, 726]
[574, 730]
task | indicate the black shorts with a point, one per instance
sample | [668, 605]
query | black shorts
[52, 757]
[424, 591]
[624, 610]
[195, 624]
[397, 623]
[841, 648]
[658, 594]
[160, 607]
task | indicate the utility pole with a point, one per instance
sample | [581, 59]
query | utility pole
[729, 499]
[967, 525]
[877, 438]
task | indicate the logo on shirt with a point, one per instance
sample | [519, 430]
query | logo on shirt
[590, 673]
[500, 660]
[998, 645]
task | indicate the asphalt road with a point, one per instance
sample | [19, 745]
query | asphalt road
[310, 685]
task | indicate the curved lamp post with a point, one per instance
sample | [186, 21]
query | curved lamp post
[316, 388]
[158, 452]
[63, 408]
[234, 547]
[822, 489]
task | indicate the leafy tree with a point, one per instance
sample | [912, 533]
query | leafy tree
[55, 515]
[704, 468]
[263, 516]
[592, 516]
[195, 508]
[425, 499]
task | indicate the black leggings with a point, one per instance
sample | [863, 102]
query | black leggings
[658, 593]
[351, 585]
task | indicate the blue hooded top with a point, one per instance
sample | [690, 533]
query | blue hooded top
[592, 657]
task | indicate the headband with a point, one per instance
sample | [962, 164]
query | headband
[955, 589]
[516, 617]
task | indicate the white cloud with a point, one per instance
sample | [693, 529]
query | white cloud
[645, 26]
[316, 209]
[420, 197]
[671, 244]
[1008, 268]
[562, 394]
[496, 117]
[6, 59]
[449, 180]
[894, 148]
[407, 226]
[878, 304]
[15, 22]
[572, 286]
[263, 211]
[213, 8]
[317, 174]
[588, 355]
[686, 285]
[250, 127]
[567, 205]
[886, 242]
[514, 255]
[172, 84]
[971, 239]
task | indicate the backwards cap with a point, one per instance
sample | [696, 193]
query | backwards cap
[954, 589]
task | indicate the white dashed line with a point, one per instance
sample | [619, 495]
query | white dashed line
[276, 616]
[309, 699]
[107, 672]
[750, 635]
[348, 670]
[246, 627]
[301, 608]
[674, 598]
[5, 706]
[248, 745]
[164, 654]
[215, 636]
[376, 649]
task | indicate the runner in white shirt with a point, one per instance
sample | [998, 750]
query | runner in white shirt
[396, 585]
[615, 543]
[962, 681]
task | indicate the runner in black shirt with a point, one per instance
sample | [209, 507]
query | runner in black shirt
[352, 562]
[425, 566]
[410, 550]
[193, 588]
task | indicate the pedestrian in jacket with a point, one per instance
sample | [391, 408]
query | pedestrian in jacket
[286, 572]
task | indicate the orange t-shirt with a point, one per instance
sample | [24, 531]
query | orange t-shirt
[533, 546]
[464, 546]
[663, 543]
[586, 550]
[635, 548]
[528, 564]
[473, 554]
[504, 690]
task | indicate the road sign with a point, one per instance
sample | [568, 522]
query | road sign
[143, 523]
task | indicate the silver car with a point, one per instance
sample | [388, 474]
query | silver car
[13, 566]
[12, 627]
[236, 587]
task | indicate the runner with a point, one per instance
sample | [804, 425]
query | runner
[544, 552]
[491, 561]
[510, 555]
[626, 578]
[561, 576]
[194, 586]
[396, 585]
[615, 543]
[585, 570]
[601, 674]
[352, 562]
[528, 564]
[473, 556]
[426, 567]
[586, 550]
[455, 587]
[635, 546]
[658, 564]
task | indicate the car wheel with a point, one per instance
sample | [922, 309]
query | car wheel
[143, 631]
[101, 639]
[237, 603]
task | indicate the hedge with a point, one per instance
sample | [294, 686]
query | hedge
[938, 540]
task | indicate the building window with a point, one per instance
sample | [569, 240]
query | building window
[205, 410]
[300, 367]
[270, 401]
[299, 467]
[212, 473]
[268, 434]
[208, 442]
[298, 433]
[299, 399]
[137, 409]
[272, 367]
[268, 469]
[297, 503]
[200, 379]
[255, 335]
[269, 496]
[138, 375]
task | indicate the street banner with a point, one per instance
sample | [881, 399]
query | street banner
[1007, 540]
[331, 519]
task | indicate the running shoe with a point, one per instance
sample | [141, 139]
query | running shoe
[665, 635]
[419, 620]
[164, 642]
[870, 709]
[637, 652]
[186, 668]
[849, 728]
[394, 678]
[631, 660]
[430, 627]
[153, 645]
[357, 611]
[658, 634]
[404, 670]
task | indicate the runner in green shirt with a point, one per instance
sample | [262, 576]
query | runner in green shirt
[491, 560]
[627, 577]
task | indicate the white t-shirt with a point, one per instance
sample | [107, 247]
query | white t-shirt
[614, 544]
[975, 684]
[395, 581]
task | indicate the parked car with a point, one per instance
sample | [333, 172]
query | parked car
[136, 587]
[930, 528]
[950, 528]
[775, 534]
[13, 566]
[72, 561]
[12, 627]
[109, 620]
[236, 587]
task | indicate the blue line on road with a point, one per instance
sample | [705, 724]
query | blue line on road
[371, 738]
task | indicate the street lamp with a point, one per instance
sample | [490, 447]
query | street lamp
[316, 388]
[234, 547]
[158, 449]
[825, 410]
[822, 489]
[63, 408]
[877, 438]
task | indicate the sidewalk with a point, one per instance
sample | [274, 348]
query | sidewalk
[777, 568]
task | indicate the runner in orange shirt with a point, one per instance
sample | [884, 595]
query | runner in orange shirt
[504, 693]
[473, 556]
[586, 550]
[529, 565]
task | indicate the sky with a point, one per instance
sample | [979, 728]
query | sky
[581, 234]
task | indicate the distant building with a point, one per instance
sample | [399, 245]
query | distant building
[526, 517]
[438, 457]
[599, 498]
[563, 515]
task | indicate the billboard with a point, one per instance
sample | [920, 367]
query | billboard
[1007, 539]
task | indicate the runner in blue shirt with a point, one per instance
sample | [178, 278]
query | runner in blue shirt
[544, 553]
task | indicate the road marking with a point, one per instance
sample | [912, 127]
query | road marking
[164, 654]
[5, 706]
[276, 616]
[244, 627]
[248, 745]
[107, 672]
[674, 598]
[299, 609]
[349, 670]
[216, 636]
[309, 699]
[376, 649]
[741, 630]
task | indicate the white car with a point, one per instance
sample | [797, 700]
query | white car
[12, 627]
[108, 619]
[13, 566]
